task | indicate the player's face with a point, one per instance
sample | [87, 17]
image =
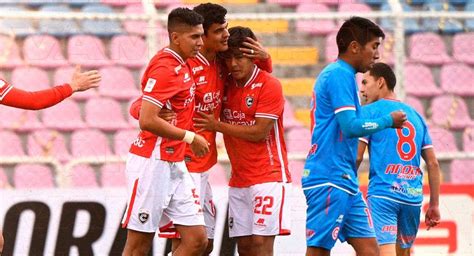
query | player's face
[239, 66]
[217, 37]
[190, 41]
[370, 88]
[369, 54]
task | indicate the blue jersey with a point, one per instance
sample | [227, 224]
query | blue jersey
[395, 154]
[332, 158]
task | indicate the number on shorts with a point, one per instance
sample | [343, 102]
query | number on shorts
[262, 204]
[408, 139]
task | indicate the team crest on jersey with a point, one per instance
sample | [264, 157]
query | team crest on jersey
[231, 222]
[143, 216]
[335, 233]
[249, 101]
[207, 97]
[309, 233]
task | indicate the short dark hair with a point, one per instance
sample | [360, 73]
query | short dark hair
[183, 16]
[357, 29]
[237, 36]
[380, 69]
[212, 13]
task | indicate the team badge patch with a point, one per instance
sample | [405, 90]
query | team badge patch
[143, 216]
[249, 101]
[231, 222]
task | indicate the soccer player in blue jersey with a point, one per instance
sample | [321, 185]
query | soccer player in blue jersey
[395, 181]
[336, 209]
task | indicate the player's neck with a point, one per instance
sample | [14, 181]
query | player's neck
[210, 55]
[389, 96]
[176, 49]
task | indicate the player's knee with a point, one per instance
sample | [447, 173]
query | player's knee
[370, 251]
[210, 247]
[196, 243]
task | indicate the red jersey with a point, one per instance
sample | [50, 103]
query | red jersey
[167, 83]
[256, 162]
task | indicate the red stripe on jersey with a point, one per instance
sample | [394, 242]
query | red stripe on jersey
[130, 206]
[328, 200]
[282, 231]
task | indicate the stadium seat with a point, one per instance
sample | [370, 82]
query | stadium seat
[289, 120]
[468, 139]
[120, 3]
[428, 48]
[375, 2]
[102, 28]
[87, 50]
[303, 116]
[48, 143]
[166, 3]
[30, 79]
[90, 143]
[105, 114]
[444, 25]
[461, 171]
[82, 176]
[64, 74]
[139, 27]
[289, 3]
[353, 6]
[55, 27]
[263, 26]
[331, 50]
[450, 112]
[443, 140]
[298, 140]
[15, 27]
[118, 83]
[294, 56]
[411, 25]
[416, 104]
[4, 183]
[462, 48]
[113, 175]
[43, 51]
[314, 27]
[66, 116]
[297, 86]
[218, 175]
[18, 119]
[129, 51]
[11, 144]
[9, 53]
[457, 79]
[123, 139]
[419, 82]
[469, 22]
[33, 176]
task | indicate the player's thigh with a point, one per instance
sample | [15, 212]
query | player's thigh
[241, 213]
[388, 250]
[204, 191]
[385, 219]
[408, 223]
[325, 214]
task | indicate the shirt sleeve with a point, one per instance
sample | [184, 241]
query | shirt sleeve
[160, 85]
[271, 102]
[5, 88]
[341, 92]
[265, 64]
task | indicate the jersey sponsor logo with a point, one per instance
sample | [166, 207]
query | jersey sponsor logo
[335, 233]
[177, 69]
[143, 215]
[306, 172]
[201, 80]
[169, 150]
[249, 101]
[139, 142]
[150, 83]
[392, 229]
[340, 218]
[190, 100]
[404, 172]
[405, 189]
[370, 125]
[236, 114]
[197, 69]
[256, 85]
[260, 222]
[187, 78]
[309, 233]
[231, 222]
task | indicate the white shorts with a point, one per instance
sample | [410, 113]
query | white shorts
[261, 209]
[161, 195]
[203, 189]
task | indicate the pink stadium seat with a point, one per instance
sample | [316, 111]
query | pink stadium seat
[450, 111]
[33, 176]
[419, 81]
[118, 83]
[4, 183]
[46, 143]
[11, 144]
[315, 27]
[138, 27]
[468, 139]
[64, 74]
[43, 51]
[289, 3]
[9, 53]
[218, 175]
[461, 171]
[105, 114]
[129, 51]
[120, 3]
[296, 169]
[298, 140]
[89, 143]
[122, 141]
[164, 3]
[416, 104]
[113, 175]
[353, 6]
[458, 79]
[66, 116]
[289, 120]
[83, 176]
[331, 50]
[462, 47]
[87, 50]
[443, 140]
[19, 119]
[30, 79]
[428, 48]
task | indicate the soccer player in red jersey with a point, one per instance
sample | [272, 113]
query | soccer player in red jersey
[14, 97]
[162, 193]
[252, 124]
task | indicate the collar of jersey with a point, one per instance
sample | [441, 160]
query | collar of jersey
[346, 65]
[254, 75]
[175, 55]
[202, 59]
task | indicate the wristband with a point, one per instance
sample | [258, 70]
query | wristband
[188, 137]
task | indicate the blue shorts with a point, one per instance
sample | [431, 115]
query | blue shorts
[394, 222]
[335, 214]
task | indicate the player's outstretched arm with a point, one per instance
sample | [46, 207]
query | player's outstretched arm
[432, 216]
[257, 132]
[82, 81]
[352, 126]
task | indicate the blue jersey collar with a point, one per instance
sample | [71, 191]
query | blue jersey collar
[346, 65]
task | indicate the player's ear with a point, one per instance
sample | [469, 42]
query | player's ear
[354, 47]
[381, 82]
[174, 38]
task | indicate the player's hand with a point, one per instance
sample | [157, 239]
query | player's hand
[167, 115]
[399, 118]
[82, 81]
[432, 217]
[253, 49]
[199, 146]
[206, 122]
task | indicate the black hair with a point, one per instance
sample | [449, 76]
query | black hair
[357, 29]
[237, 36]
[212, 13]
[380, 69]
[183, 16]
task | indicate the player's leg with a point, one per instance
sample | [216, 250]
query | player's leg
[385, 218]
[240, 218]
[358, 228]
[193, 240]
[324, 218]
[402, 251]
[408, 222]
[138, 243]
